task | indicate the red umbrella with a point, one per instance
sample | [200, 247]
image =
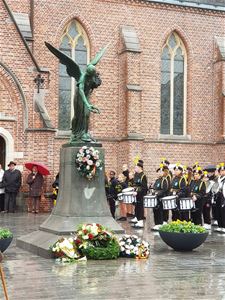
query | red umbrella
[42, 169]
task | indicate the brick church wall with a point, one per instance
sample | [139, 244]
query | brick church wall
[122, 111]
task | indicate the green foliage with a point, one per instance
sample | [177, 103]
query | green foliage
[111, 251]
[5, 233]
[183, 227]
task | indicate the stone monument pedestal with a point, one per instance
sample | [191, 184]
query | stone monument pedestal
[79, 201]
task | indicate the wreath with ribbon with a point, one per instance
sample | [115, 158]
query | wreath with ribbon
[88, 162]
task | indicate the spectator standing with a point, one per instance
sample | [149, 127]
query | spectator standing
[2, 190]
[35, 181]
[11, 182]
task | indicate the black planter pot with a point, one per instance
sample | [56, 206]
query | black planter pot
[4, 243]
[183, 241]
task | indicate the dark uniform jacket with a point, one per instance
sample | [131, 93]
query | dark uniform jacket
[111, 192]
[140, 184]
[179, 186]
[35, 184]
[198, 188]
[161, 187]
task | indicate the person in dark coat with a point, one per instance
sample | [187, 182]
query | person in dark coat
[141, 188]
[111, 192]
[11, 181]
[35, 181]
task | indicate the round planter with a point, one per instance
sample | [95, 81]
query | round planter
[183, 241]
[4, 243]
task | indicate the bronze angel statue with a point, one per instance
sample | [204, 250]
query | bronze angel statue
[85, 83]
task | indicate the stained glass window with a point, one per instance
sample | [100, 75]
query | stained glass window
[173, 64]
[74, 43]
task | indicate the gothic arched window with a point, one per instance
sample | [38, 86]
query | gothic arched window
[74, 43]
[173, 86]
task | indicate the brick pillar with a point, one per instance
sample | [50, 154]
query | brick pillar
[130, 89]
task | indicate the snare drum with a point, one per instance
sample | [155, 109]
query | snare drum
[130, 189]
[169, 202]
[150, 201]
[120, 196]
[128, 197]
[186, 203]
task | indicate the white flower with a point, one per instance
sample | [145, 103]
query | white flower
[128, 252]
[90, 162]
[129, 241]
[88, 167]
[97, 164]
[122, 249]
[134, 236]
[122, 243]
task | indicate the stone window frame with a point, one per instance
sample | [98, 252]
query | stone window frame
[180, 44]
[73, 42]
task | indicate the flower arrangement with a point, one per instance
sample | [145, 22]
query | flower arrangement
[96, 242]
[133, 247]
[5, 233]
[182, 226]
[65, 250]
[88, 162]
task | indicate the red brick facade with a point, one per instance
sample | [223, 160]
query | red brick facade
[129, 123]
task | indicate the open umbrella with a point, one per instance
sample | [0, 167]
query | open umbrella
[210, 168]
[42, 169]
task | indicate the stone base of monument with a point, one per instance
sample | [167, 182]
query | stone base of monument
[79, 201]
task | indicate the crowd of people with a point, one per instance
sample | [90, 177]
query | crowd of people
[174, 184]
[204, 188]
[10, 183]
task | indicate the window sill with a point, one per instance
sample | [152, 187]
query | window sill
[173, 138]
[63, 134]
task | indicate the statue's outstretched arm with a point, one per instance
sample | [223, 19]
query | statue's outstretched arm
[72, 67]
[98, 56]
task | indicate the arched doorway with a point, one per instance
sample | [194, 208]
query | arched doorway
[2, 152]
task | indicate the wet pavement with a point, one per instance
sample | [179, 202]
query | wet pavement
[167, 274]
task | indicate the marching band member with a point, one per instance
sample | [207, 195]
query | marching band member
[198, 190]
[209, 179]
[169, 178]
[141, 187]
[220, 200]
[130, 207]
[121, 185]
[161, 188]
[215, 189]
[178, 188]
[111, 192]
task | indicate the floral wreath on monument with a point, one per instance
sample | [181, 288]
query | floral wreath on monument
[94, 241]
[88, 162]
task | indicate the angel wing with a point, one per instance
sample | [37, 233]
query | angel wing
[98, 56]
[71, 67]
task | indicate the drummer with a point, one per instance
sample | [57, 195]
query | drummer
[208, 178]
[215, 189]
[121, 185]
[161, 189]
[130, 207]
[198, 191]
[179, 189]
[141, 187]
[220, 200]
[169, 178]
